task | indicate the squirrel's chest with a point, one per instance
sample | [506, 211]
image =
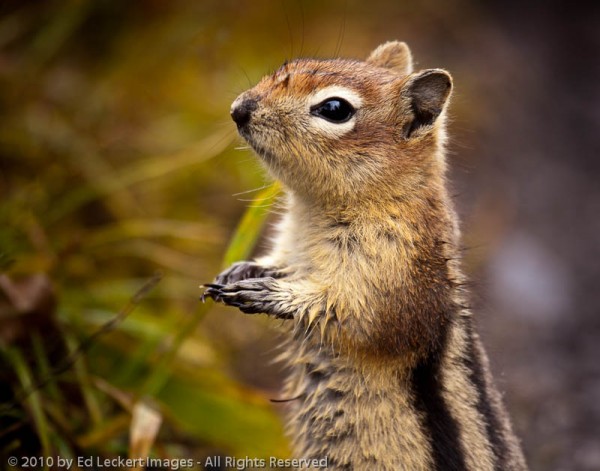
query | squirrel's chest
[331, 251]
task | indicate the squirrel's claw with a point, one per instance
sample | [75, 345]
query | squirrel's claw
[213, 291]
[213, 285]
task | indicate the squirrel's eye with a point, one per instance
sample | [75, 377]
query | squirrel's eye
[336, 110]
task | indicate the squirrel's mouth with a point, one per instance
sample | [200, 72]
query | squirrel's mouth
[255, 138]
[263, 153]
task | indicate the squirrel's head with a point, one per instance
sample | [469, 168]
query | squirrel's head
[344, 129]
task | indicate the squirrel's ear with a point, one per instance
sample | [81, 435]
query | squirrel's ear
[428, 92]
[393, 55]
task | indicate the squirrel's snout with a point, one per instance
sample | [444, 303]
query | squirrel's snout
[241, 110]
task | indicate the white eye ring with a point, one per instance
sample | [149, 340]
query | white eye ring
[333, 129]
[335, 91]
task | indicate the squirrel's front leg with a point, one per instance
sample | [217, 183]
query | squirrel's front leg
[279, 298]
[244, 270]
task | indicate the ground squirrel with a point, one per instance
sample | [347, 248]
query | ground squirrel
[387, 371]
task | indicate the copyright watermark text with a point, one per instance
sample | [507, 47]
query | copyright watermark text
[219, 462]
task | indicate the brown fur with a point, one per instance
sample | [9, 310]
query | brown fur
[387, 373]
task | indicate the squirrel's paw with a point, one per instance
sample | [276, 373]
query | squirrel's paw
[252, 296]
[245, 270]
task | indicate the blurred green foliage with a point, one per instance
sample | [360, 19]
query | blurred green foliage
[117, 162]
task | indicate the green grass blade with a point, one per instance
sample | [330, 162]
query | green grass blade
[33, 399]
[44, 370]
[250, 226]
[239, 420]
[85, 385]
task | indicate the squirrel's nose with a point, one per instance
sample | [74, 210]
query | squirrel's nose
[241, 112]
